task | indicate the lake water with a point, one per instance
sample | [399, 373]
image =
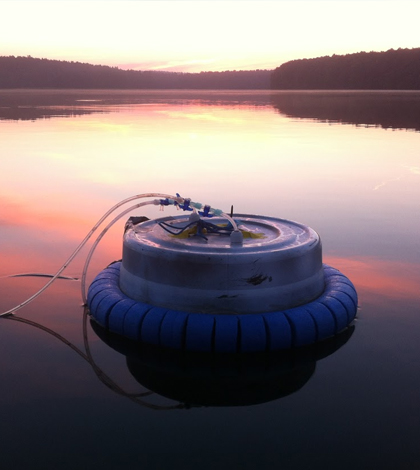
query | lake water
[345, 163]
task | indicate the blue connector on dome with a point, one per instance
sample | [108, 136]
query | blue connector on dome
[186, 205]
[206, 211]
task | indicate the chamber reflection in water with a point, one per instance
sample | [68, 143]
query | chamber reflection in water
[201, 379]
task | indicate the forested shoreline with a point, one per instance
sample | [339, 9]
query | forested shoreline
[29, 72]
[390, 70]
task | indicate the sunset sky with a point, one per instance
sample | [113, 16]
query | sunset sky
[204, 35]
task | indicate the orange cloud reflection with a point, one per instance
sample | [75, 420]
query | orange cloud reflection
[371, 276]
[42, 240]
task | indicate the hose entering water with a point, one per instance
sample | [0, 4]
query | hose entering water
[138, 397]
[178, 201]
[84, 241]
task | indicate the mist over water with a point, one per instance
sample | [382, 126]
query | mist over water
[345, 163]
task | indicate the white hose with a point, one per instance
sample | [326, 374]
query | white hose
[229, 218]
[84, 241]
[89, 256]
[173, 199]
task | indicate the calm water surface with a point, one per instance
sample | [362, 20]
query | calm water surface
[347, 164]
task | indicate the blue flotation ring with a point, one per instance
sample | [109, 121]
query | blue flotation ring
[315, 321]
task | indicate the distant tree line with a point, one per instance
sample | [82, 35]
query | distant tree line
[29, 72]
[390, 70]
